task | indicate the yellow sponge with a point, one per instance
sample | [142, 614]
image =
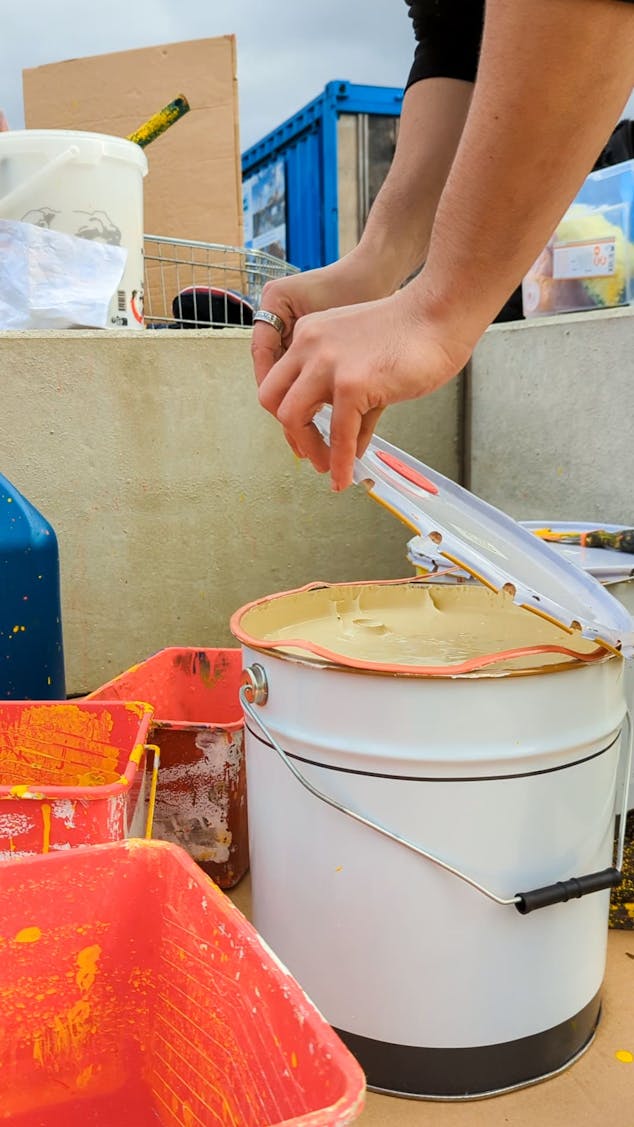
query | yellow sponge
[585, 224]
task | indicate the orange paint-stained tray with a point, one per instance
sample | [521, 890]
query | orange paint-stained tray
[201, 797]
[132, 992]
[71, 773]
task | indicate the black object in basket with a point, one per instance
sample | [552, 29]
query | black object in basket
[209, 307]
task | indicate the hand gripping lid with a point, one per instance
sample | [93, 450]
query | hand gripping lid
[467, 532]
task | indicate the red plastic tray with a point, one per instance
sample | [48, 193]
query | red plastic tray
[132, 992]
[71, 773]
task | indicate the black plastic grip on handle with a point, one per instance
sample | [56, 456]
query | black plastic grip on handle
[566, 890]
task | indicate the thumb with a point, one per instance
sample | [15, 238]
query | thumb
[4, 124]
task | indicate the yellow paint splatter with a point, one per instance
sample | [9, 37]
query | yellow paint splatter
[139, 708]
[293, 1060]
[46, 827]
[339, 869]
[87, 960]
[23, 790]
[84, 1078]
[137, 753]
[65, 1034]
[624, 1056]
[28, 935]
[188, 1116]
[93, 779]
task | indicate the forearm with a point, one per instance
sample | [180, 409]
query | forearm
[396, 237]
[553, 76]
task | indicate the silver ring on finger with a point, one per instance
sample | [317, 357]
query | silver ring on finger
[270, 319]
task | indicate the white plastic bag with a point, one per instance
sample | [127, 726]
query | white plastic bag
[49, 280]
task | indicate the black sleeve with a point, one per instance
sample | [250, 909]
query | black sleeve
[448, 34]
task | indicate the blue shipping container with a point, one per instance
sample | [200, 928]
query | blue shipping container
[31, 653]
[309, 184]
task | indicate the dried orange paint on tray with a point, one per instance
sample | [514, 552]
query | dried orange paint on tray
[28, 935]
[58, 745]
[46, 827]
[87, 960]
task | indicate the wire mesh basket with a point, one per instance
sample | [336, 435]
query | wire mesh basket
[192, 285]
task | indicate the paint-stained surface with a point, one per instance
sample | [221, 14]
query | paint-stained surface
[622, 898]
[201, 801]
[173, 1014]
[70, 774]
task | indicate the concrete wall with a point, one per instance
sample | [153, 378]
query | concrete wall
[174, 496]
[551, 418]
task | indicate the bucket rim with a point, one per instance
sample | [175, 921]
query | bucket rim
[474, 666]
[166, 723]
[26, 140]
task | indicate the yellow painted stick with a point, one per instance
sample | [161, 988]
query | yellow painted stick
[160, 121]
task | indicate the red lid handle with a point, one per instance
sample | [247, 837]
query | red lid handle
[407, 472]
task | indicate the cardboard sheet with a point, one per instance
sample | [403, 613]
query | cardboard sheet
[193, 188]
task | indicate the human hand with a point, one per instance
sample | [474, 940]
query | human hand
[4, 124]
[351, 280]
[360, 359]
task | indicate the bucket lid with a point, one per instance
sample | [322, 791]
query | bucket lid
[607, 565]
[92, 146]
[456, 526]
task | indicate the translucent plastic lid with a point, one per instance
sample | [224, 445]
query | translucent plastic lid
[456, 526]
[607, 565]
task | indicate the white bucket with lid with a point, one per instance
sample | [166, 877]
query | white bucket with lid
[432, 779]
[84, 184]
[405, 808]
[614, 569]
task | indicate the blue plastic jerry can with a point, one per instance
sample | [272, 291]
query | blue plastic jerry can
[31, 649]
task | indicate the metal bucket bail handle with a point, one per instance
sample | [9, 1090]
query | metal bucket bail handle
[153, 786]
[12, 199]
[255, 691]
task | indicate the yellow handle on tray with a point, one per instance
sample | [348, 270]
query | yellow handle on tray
[153, 785]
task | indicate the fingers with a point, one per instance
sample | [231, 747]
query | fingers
[266, 350]
[368, 426]
[345, 428]
[293, 445]
[293, 394]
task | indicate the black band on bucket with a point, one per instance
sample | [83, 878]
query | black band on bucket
[478, 1071]
[436, 778]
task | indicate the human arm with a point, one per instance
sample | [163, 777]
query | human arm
[552, 78]
[396, 236]
[526, 149]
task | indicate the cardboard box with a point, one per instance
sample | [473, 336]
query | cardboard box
[193, 189]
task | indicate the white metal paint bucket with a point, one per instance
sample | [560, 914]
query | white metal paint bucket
[613, 569]
[85, 184]
[448, 792]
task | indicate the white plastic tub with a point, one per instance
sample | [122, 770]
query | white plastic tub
[504, 770]
[84, 184]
